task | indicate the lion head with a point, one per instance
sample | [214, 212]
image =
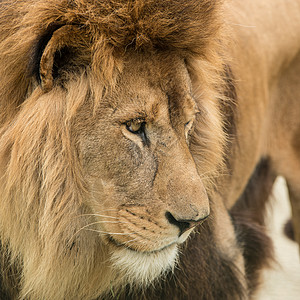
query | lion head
[101, 108]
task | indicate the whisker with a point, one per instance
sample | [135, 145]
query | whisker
[110, 209]
[110, 233]
[112, 222]
[97, 215]
[212, 174]
[132, 240]
[85, 227]
[242, 25]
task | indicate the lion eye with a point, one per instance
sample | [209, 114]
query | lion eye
[135, 126]
[138, 127]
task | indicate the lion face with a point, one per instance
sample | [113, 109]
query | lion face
[146, 194]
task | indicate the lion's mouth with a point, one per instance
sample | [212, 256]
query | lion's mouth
[117, 244]
[180, 240]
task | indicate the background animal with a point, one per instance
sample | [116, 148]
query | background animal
[129, 127]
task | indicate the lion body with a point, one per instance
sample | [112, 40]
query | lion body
[264, 101]
[126, 123]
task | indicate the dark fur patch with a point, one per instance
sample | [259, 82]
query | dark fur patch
[38, 49]
[248, 219]
[9, 279]
[256, 194]
[289, 230]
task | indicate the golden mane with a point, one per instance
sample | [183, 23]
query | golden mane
[108, 31]
[43, 182]
[112, 29]
[124, 124]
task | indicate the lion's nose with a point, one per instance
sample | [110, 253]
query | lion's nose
[185, 224]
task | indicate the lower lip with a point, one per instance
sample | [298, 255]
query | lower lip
[119, 245]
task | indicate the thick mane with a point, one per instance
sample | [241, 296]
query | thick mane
[106, 32]
[113, 28]
[42, 175]
[126, 123]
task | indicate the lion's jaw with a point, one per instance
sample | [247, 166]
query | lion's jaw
[144, 267]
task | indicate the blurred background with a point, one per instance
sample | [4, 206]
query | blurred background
[282, 281]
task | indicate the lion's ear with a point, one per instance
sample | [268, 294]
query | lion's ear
[57, 54]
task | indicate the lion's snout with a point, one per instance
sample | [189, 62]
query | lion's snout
[186, 223]
[188, 203]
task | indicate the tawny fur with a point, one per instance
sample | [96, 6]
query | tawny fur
[82, 197]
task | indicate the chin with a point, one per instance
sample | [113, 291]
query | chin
[142, 268]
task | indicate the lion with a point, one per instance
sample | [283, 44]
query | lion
[139, 142]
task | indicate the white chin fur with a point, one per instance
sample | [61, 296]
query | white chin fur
[142, 267]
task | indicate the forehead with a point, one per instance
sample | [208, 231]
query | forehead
[150, 79]
[158, 70]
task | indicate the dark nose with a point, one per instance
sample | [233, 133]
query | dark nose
[183, 224]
